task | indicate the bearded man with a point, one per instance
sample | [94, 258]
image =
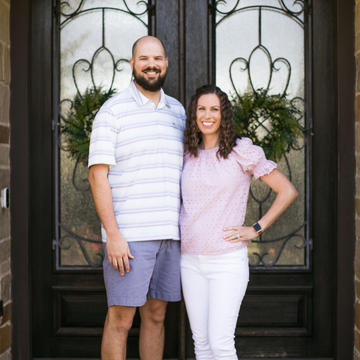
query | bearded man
[135, 161]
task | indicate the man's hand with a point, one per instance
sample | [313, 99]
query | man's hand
[118, 252]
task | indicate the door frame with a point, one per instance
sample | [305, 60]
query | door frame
[31, 193]
[345, 38]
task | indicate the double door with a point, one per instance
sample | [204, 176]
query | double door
[242, 46]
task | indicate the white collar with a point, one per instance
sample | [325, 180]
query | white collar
[142, 100]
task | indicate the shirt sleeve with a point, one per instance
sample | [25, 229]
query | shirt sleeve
[252, 158]
[103, 139]
[182, 114]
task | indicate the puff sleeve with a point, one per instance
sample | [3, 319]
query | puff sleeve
[252, 158]
[103, 138]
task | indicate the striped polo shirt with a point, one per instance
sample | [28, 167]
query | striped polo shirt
[143, 144]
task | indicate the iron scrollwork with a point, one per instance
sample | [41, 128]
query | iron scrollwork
[282, 8]
[148, 8]
[222, 10]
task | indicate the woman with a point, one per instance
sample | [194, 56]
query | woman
[215, 185]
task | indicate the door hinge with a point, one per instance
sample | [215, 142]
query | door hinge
[53, 125]
[54, 244]
[310, 242]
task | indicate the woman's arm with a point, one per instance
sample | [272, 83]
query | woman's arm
[286, 194]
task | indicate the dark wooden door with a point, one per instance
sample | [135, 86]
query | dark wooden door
[289, 307]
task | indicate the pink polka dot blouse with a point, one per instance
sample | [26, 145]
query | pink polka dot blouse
[214, 195]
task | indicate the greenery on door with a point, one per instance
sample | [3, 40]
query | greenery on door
[270, 121]
[77, 124]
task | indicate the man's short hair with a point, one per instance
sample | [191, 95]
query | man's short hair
[137, 41]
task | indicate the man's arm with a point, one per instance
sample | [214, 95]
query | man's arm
[117, 247]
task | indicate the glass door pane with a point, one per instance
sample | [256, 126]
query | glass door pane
[96, 37]
[260, 51]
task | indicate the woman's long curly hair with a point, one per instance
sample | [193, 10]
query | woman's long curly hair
[227, 135]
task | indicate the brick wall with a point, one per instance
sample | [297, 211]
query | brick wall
[357, 181]
[5, 290]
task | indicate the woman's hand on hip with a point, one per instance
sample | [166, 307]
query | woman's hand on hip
[240, 233]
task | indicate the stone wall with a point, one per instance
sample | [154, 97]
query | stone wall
[357, 181]
[5, 276]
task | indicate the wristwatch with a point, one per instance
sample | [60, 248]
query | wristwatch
[257, 227]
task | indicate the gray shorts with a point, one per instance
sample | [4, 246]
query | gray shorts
[154, 273]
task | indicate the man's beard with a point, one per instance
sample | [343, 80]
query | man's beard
[154, 85]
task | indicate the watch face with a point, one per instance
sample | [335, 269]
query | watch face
[257, 227]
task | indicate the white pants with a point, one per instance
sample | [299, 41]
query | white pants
[213, 289]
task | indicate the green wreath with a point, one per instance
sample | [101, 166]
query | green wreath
[270, 121]
[77, 124]
[276, 115]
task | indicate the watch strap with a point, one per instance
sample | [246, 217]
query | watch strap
[257, 227]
